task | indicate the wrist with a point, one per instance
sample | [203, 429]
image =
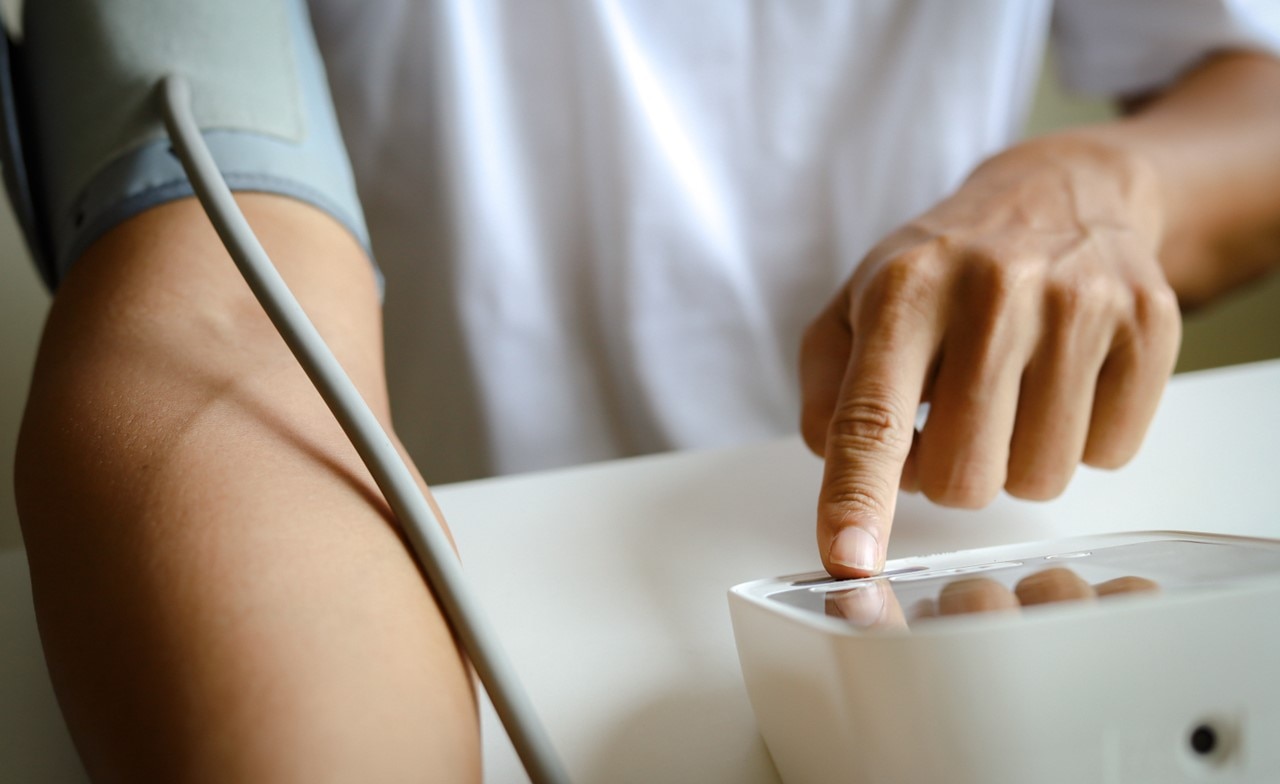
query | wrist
[1108, 181]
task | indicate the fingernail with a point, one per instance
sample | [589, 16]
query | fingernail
[855, 548]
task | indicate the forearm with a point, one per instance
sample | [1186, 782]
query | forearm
[216, 575]
[1212, 142]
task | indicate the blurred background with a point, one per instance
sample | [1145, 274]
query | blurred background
[1243, 328]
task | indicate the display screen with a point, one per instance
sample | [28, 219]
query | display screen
[913, 595]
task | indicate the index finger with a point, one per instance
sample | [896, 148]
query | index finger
[869, 438]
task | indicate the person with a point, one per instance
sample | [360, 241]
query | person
[604, 228]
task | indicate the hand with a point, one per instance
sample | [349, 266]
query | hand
[1028, 309]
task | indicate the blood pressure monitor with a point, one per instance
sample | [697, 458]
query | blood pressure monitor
[1143, 657]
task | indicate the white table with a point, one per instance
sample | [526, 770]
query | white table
[607, 582]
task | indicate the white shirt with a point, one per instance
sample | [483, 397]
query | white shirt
[605, 223]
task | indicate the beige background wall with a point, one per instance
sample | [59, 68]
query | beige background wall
[1245, 328]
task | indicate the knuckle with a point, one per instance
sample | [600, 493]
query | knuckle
[873, 422]
[1152, 326]
[1155, 307]
[1080, 300]
[995, 277]
[901, 288]
[857, 498]
[995, 295]
[909, 272]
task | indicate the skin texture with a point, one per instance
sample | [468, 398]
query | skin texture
[220, 591]
[1037, 309]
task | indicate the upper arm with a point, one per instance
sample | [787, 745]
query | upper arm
[197, 522]
[159, 293]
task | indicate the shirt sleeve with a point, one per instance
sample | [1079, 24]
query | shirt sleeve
[96, 149]
[1128, 47]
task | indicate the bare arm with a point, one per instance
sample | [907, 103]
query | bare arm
[1214, 143]
[220, 592]
[1037, 308]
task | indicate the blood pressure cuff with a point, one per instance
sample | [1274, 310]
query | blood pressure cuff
[82, 94]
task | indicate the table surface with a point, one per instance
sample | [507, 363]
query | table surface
[607, 582]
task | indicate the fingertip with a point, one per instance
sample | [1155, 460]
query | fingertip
[1037, 485]
[1109, 457]
[856, 551]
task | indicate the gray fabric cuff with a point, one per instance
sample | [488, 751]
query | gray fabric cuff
[260, 96]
